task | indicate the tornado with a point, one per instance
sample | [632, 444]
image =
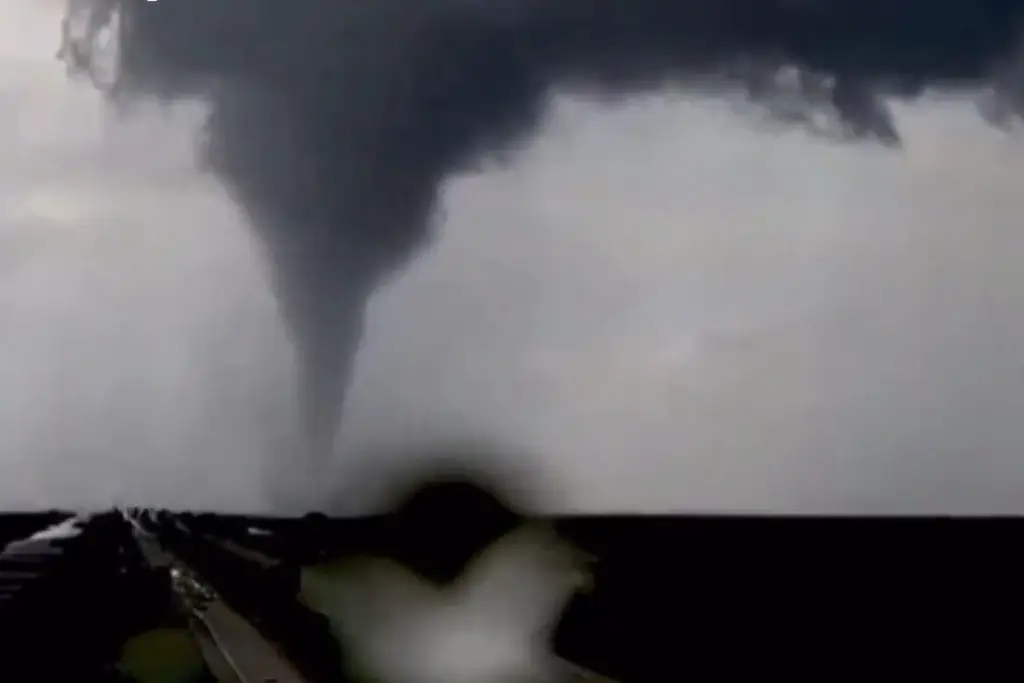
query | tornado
[334, 123]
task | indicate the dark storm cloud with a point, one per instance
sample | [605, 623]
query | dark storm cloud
[334, 123]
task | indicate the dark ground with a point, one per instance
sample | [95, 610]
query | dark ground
[681, 594]
[71, 603]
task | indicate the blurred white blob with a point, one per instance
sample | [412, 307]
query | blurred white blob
[494, 623]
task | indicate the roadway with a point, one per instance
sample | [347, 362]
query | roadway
[235, 650]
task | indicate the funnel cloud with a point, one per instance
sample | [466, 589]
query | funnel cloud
[340, 128]
[335, 123]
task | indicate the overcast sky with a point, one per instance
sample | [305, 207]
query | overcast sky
[722, 317]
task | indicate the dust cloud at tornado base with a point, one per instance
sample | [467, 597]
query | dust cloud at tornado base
[785, 324]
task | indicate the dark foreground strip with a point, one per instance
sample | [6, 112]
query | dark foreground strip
[669, 594]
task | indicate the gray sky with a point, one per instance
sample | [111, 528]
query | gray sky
[723, 318]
